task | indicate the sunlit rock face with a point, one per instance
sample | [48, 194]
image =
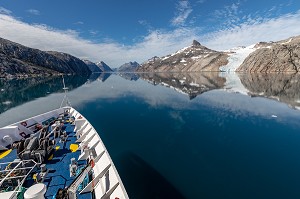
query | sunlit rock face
[281, 56]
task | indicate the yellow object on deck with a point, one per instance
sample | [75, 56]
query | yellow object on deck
[74, 147]
[57, 147]
[5, 153]
[51, 157]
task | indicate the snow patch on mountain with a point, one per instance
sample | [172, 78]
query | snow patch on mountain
[288, 41]
[180, 51]
[237, 57]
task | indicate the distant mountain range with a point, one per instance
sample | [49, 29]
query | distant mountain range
[281, 56]
[21, 61]
[98, 67]
[128, 67]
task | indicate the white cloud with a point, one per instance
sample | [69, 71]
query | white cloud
[79, 23]
[146, 24]
[113, 53]
[183, 11]
[33, 11]
[200, 1]
[228, 16]
[93, 32]
[5, 11]
[255, 30]
[155, 43]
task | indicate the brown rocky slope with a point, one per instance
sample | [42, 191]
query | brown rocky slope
[281, 56]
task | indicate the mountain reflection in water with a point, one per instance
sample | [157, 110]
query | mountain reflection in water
[184, 135]
[192, 84]
[283, 87]
[14, 92]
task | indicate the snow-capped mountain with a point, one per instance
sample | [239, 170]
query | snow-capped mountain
[193, 58]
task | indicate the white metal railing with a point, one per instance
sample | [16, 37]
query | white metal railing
[12, 172]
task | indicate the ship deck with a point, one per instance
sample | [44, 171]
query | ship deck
[58, 165]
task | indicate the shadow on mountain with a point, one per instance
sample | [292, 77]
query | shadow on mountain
[284, 87]
[192, 84]
[15, 92]
[99, 76]
[143, 181]
[130, 76]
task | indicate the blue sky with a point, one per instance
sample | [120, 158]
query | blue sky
[118, 31]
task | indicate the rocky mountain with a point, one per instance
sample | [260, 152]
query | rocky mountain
[19, 60]
[104, 67]
[194, 58]
[92, 66]
[129, 67]
[281, 56]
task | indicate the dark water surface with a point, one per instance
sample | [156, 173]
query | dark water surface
[212, 142]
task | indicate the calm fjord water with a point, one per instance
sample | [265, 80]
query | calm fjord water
[213, 143]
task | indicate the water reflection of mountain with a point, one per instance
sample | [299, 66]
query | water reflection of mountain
[130, 76]
[192, 84]
[99, 76]
[280, 86]
[18, 91]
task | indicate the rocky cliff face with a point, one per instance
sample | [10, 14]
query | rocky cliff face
[282, 56]
[19, 60]
[194, 58]
[128, 67]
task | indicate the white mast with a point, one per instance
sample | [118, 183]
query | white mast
[65, 99]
